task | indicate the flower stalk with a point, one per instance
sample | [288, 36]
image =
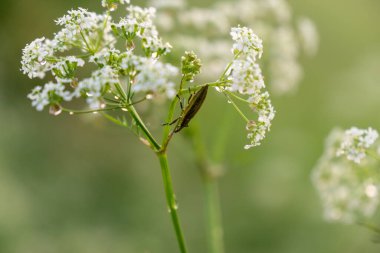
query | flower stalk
[171, 201]
[210, 179]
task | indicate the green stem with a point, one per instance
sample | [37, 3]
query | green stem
[369, 226]
[214, 216]
[161, 155]
[373, 154]
[236, 107]
[197, 87]
[171, 201]
[136, 117]
[85, 41]
[72, 112]
[210, 177]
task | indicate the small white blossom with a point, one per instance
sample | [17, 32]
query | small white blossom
[96, 86]
[154, 77]
[262, 105]
[355, 143]
[51, 93]
[139, 23]
[246, 76]
[34, 58]
[246, 42]
[82, 28]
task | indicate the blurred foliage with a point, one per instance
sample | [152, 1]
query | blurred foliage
[80, 184]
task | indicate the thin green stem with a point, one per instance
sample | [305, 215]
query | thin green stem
[229, 66]
[197, 87]
[236, 107]
[115, 120]
[136, 117]
[171, 201]
[90, 50]
[236, 96]
[72, 112]
[373, 154]
[214, 216]
[210, 177]
[167, 135]
[101, 33]
[369, 226]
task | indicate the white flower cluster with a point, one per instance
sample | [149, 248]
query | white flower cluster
[92, 35]
[95, 87]
[355, 143]
[34, 62]
[349, 191]
[246, 42]
[153, 75]
[81, 28]
[273, 21]
[246, 78]
[139, 22]
[50, 93]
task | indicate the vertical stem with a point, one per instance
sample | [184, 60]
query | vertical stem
[211, 192]
[214, 216]
[171, 201]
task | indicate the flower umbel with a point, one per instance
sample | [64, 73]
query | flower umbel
[346, 179]
[355, 142]
[245, 78]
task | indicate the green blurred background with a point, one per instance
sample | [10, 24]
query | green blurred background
[80, 184]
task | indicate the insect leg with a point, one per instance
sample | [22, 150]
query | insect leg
[170, 123]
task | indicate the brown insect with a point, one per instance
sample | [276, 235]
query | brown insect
[193, 106]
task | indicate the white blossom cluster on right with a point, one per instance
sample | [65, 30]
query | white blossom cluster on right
[356, 142]
[246, 78]
[346, 176]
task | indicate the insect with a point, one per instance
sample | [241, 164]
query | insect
[188, 113]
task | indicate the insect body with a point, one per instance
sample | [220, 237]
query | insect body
[195, 103]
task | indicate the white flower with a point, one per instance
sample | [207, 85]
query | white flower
[262, 105]
[139, 22]
[355, 143]
[346, 193]
[51, 93]
[246, 76]
[154, 76]
[246, 42]
[82, 29]
[96, 86]
[34, 58]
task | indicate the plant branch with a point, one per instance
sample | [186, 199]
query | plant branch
[171, 201]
